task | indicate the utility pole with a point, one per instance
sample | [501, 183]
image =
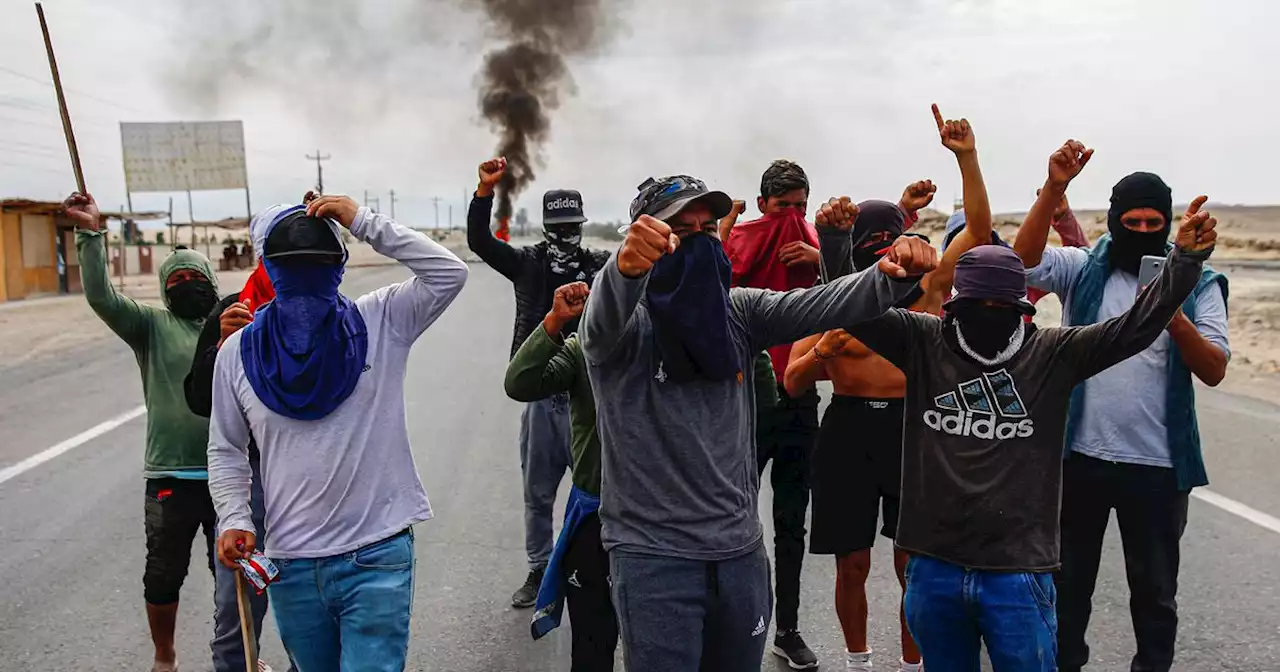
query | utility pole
[435, 201]
[450, 216]
[377, 204]
[319, 169]
[366, 198]
[393, 204]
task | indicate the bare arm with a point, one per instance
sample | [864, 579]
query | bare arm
[959, 138]
[1205, 359]
[805, 367]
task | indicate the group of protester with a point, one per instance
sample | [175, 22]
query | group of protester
[279, 409]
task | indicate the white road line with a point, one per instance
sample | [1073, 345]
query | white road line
[1229, 505]
[70, 444]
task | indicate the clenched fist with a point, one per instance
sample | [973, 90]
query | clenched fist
[83, 210]
[567, 305]
[837, 213]
[956, 136]
[236, 317]
[918, 195]
[1196, 232]
[647, 240]
[491, 173]
[1067, 162]
[909, 257]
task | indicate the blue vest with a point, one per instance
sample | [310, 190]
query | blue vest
[1183, 431]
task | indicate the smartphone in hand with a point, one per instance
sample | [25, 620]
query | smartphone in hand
[1149, 270]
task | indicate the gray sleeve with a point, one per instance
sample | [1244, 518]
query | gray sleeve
[228, 452]
[1097, 347]
[608, 320]
[774, 318]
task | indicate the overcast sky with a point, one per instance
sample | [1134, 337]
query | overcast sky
[716, 88]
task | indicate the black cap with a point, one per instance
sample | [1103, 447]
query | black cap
[665, 198]
[562, 206]
[297, 235]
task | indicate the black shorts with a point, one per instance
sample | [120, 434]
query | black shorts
[856, 474]
[175, 511]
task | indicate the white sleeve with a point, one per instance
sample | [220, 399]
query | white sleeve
[1058, 270]
[229, 473]
[409, 307]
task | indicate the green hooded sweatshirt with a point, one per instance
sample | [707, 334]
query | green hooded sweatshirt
[164, 345]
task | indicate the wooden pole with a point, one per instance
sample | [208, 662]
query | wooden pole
[247, 634]
[62, 103]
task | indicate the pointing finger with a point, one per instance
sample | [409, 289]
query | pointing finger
[1197, 204]
[937, 117]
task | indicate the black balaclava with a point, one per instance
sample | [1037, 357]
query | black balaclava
[1139, 190]
[987, 329]
[192, 299]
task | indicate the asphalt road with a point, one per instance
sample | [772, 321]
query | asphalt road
[72, 532]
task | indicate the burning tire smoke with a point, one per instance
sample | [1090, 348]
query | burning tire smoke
[521, 84]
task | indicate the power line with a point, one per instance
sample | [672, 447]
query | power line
[90, 96]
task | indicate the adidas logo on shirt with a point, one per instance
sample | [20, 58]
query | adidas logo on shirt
[759, 628]
[977, 406]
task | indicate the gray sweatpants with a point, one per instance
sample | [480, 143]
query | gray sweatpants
[544, 459]
[679, 615]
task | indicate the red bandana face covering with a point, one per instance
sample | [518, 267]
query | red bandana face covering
[257, 290]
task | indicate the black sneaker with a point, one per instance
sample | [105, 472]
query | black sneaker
[789, 645]
[528, 593]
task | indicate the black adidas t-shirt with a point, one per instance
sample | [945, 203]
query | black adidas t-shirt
[982, 446]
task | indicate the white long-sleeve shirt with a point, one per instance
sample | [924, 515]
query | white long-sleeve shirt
[349, 479]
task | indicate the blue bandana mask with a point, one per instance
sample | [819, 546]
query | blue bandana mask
[688, 299]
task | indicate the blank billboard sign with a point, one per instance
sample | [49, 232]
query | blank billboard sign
[183, 156]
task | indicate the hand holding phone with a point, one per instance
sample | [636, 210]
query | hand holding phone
[1149, 270]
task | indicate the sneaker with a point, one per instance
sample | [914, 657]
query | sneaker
[162, 667]
[789, 645]
[528, 593]
[911, 667]
[263, 667]
[858, 662]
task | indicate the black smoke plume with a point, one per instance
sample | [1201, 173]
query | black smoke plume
[521, 84]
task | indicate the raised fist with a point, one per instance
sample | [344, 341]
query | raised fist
[918, 195]
[1197, 231]
[491, 172]
[569, 300]
[831, 343]
[956, 136]
[1068, 161]
[83, 210]
[837, 213]
[647, 240]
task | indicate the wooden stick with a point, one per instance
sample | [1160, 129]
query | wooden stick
[62, 103]
[247, 634]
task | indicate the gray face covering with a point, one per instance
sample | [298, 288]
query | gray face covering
[563, 243]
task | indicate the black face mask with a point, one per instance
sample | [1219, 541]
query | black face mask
[986, 329]
[1128, 247]
[192, 299]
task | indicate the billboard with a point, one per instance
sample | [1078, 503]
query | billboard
[183, 156]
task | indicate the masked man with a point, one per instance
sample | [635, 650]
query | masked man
[318, 380]
[177, 503]
[233, 312]
[535, 273]
[668, 345]
[1133, 441]
[857, 465]
[982, 469]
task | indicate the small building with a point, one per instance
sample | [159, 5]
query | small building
[38, 248]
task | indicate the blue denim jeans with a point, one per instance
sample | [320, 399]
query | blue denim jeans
[349, 612]
[951, 611]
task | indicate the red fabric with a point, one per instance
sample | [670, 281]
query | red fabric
[257, 290]
[753, 249]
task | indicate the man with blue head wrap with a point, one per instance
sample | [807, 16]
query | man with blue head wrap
[317, 380]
